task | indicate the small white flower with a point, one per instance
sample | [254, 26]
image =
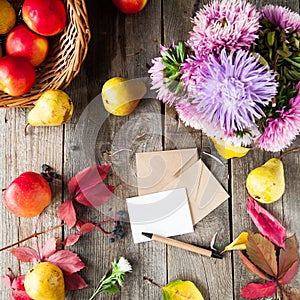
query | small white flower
[124, 265]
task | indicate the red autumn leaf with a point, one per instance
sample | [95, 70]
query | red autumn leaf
[7, 281]
[67, 260]
[87, 178]
[252, 268]
[50, 247]
[290, 273]
[25, 254]
[262, 253]
[71, 239]
[258, 290]
[66, 212]
[18, 283]
[87, 227]
[266, 223]
[95, 196]
[288, 261]
[74, 282]
[20, 295]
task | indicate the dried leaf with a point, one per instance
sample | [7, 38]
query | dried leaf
[50, 247]
[25, 254]
[258, 290]
[66, 212]
[266, 223]
[252, 268]
[71, 239]
[288, 261]
[262, 253]
[87, 178]
[181, 290]
[74, 282]
[87, 227]
[239, 243]
[67, 260]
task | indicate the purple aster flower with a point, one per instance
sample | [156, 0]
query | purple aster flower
[189, 114]
[281, 131]
[233, 91]
[165, 74]
[281, 17]
[232, 24]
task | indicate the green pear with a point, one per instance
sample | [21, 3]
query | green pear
[266, 183]
[53, 108]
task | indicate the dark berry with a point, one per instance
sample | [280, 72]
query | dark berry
[45, 167]
[49, 179]
[114, 231]
[121, 231]
[53, 174]
[43, 174]
[74, 147]
[111, 240]
[121, 223]
[120, 236]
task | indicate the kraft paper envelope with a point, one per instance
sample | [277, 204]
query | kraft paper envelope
[165, 170]
[166, 213]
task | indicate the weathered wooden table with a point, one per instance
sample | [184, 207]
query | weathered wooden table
[124, 45]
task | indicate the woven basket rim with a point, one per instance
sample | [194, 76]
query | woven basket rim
[67, 52]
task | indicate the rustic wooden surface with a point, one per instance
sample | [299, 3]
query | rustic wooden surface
[124, 46]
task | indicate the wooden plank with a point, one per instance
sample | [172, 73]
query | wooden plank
[286, 209]
[20, 153]
[119, 47]
[206, 273]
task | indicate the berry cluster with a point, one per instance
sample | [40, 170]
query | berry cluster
[118, 232]
[48, 174]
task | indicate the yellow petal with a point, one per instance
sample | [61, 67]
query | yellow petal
[239, 243]
[229, 150]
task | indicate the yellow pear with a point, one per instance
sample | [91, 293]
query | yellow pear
[45, 281]
[53, 108]
[121, 96]
[7, 17]
[266, 183]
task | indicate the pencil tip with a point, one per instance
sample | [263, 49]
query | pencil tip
[147, 234]
[215, 254]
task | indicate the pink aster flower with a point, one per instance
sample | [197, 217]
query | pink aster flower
[165, 74]
[281, 131]
[232, 24]
[281, 17]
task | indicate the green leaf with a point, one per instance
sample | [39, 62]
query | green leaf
[283, 53]
[271, 38]
[181, 290]
[113, 289]
[262, 253]
[288, 261]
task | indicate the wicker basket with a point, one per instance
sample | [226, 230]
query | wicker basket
[66, 54]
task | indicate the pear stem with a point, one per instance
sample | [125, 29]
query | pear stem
[151, 281]
[31, 236]
[287, 152]
[25, 129]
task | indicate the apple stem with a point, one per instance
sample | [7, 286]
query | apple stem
[32, 236]
[287, 152]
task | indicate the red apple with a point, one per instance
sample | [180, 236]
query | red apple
[17, 75]
[130, 6]
[45, 17]
[23, 42]
[27, 195]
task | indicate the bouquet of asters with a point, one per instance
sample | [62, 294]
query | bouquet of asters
[236, 76]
